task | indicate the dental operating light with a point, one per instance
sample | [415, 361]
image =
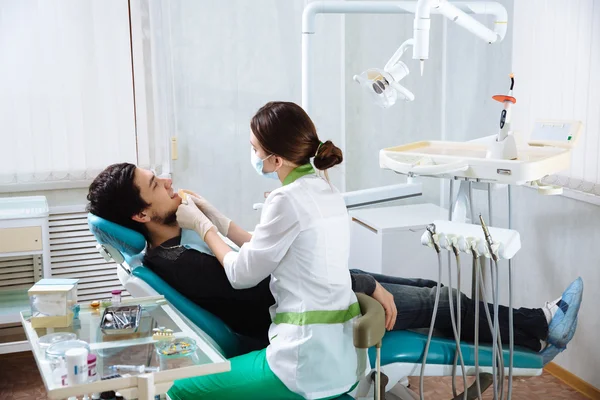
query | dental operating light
[384, 85]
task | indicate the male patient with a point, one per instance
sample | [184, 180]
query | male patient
[137, 199]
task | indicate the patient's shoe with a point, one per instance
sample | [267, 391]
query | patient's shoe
[564, 321]
[551, 351]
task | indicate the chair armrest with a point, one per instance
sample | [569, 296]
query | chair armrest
[369, 328]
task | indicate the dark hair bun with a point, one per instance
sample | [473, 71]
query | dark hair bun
[328, 155]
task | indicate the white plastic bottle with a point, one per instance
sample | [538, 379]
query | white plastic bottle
[77, 366]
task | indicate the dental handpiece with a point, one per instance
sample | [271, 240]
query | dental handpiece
[431, 230]
[488, 238]
[455, 251]
[133, 368]
[498, 381]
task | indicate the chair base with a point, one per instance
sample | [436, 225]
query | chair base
[398, 374]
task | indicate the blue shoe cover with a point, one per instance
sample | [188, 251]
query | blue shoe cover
[560, 330]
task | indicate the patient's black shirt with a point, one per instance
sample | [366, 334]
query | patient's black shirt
[201, 278]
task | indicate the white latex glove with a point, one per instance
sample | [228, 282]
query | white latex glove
[216, 217]
[387, 301]
[190, 217]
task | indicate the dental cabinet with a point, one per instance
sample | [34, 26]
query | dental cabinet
[24, 256]
[387, 240]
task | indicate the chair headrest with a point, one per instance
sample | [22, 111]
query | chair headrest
[127, 241]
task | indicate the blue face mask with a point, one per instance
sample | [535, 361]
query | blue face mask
[258, 165]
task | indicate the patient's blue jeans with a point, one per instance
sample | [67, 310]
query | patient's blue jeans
[415, 299]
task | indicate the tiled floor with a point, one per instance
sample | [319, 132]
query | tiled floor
[20, 380]
[543, 387]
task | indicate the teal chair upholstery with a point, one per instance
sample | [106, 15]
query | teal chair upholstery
[409, 347]
[131, 244]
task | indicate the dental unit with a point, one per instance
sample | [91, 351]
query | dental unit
[547, 152]
[491, 160]
[456, 325]
[374, 80]
[455, 238]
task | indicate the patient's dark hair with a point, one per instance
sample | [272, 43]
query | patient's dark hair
[114, 196]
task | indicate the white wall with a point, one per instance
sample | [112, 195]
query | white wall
[228, 58]
[556, 57]
[557, 233]
[475, 72]
[559, 236]
[556, 65]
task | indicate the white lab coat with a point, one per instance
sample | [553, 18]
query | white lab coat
[303, 241]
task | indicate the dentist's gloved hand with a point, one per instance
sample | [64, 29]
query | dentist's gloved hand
[190, 217]
[216, 217]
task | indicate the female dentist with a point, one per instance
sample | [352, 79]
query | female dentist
[302, 242]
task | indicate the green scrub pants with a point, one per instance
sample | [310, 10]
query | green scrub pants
[250, 378]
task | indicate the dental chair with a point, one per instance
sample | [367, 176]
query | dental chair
[401, 351]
